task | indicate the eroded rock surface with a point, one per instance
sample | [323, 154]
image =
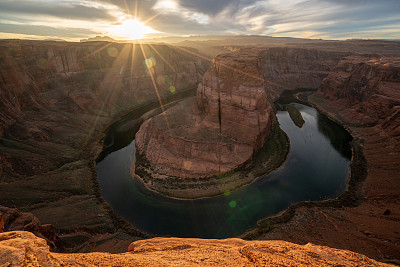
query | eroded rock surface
[366, 91]
[23, 248]
[15, 220]
[216, 132]
[287, 68]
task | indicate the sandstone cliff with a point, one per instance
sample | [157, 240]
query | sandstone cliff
[15, 220]
[215, 133]
[366, 91]
[287, 68]
[23, 248]
[96, 78]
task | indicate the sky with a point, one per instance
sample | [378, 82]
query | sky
[73, 20]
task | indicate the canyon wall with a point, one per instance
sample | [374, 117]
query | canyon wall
[56, 101]
[95, 78]
[218, 131]
[287, 68]
[366, 91]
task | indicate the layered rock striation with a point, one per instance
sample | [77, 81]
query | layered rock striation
[288, 68]
[12, 219]
[216, 132]
[23, 248]
[366, 90]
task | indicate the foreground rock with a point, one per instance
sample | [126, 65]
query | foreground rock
[23, 248]
[15, 220]
[217, 132]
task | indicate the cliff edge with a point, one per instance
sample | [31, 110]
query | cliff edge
[23, 248]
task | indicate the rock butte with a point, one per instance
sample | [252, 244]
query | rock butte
[216, 132]
[25, 249]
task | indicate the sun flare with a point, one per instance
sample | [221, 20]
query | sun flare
[132, 29]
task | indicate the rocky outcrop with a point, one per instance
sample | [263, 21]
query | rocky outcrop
[15, 220]
[216, 132]
[23, 248]
[366, 91]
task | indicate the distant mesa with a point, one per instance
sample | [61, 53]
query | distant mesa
[99, 39]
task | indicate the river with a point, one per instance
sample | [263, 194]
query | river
[317, 168]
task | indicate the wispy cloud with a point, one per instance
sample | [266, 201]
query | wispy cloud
[171, 7]
[338, 19]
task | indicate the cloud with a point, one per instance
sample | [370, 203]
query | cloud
[45, 31]
[82, 10]
[313, 18]
[172, 7]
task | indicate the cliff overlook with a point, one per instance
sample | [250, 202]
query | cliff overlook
[23, 248]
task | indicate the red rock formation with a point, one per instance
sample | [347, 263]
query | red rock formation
[218, 131]
[23, 248]
[366, 91]
[88, 78]
[14, 220]
[287, 68]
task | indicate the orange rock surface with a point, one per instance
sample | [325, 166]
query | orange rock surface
[23, 248]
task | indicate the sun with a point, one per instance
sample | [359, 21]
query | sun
[132, 29]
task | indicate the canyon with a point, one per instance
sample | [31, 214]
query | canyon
[57, 100]
[226, 125]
